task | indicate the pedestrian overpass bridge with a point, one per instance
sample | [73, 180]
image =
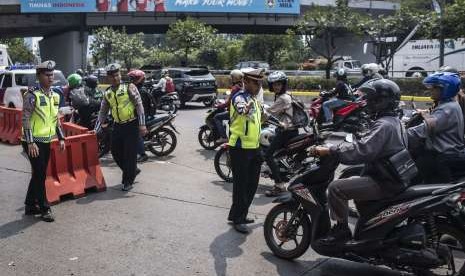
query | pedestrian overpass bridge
[70, 30]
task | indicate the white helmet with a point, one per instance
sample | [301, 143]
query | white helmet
[266, 135]
[370, 69]
[236, 75]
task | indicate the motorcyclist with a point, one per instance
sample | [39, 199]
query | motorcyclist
[282, 110]
[461, 94]
[384, 139]
[94, 96]
[370, 71]
[237, 85]
[165, 77]
[78, 98]
[137, 77]
[441, 133]
[342, 92]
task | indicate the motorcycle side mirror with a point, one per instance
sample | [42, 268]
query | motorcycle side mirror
[349, 138]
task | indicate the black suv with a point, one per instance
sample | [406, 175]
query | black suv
[193, 84]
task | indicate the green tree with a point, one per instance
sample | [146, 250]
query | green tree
[321, 26]
[269, 48]
[111, 45]
[18, 51]
[454, 24]
[189, 35]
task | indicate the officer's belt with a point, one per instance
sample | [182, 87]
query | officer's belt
[125, 122]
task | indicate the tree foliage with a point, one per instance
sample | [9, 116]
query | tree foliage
[188, 35]
[322, 26]
[269, 48]
[110, 45]
[18, 50]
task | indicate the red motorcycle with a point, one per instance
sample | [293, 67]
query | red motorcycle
[349, 118]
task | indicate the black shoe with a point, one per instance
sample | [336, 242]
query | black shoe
[47, 216]
[241, 228]
[340, 233]
[31, 210]
[127, 187]
[142, 158]
[249, 221]
[274, 192]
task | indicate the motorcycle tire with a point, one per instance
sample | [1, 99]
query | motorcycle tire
[223, 153]
[206, 138]
[159, 138]
[270, 230]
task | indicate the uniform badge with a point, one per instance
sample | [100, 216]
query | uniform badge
[49, 65]
[42, 101]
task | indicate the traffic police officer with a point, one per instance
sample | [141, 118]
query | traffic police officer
[245, 126]
[40, 126]
[127, 111]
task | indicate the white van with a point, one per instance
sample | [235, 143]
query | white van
[420, 57]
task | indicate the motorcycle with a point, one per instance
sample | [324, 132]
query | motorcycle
[208, 134]
[349, 118]
[418, 231]
[168, 102]
[290, 158]
[161, 138]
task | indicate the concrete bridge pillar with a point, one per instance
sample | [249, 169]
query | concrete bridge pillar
[68, 50]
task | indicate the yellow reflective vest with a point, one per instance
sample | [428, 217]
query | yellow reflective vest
[122, 108]
[245, 129]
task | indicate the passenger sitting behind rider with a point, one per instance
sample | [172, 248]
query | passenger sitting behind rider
[282, 111]
[237, 85]
[342, 92]
[383, 140]
[441, 133]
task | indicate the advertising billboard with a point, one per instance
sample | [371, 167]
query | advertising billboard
[207, 6]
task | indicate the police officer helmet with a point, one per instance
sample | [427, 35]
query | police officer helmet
[74, 80]
[340, 74]
[449, 84]
[91, 81]
[382, 95]
[447, 68]
[278, 76]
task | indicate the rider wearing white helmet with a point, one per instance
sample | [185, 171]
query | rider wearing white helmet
[282, 110]
[370, 71]
[237, 85]
[342, 92]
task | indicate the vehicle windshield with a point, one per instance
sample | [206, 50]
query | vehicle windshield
[197, 72]
[30, 79]
[356, 64]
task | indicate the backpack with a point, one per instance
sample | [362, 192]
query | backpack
[169, 86]
[299, 115]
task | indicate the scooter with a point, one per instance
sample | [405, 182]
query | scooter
[208, 133]
[161, 138]
[418, 231]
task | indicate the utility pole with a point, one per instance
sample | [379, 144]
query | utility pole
[438, 6]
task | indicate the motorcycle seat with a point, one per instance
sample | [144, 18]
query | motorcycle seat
[298, 138]
[418, 191]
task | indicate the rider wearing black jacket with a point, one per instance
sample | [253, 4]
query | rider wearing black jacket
[384, 139]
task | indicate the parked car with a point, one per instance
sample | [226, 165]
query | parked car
[17, 78]
[193, 84]
[253, 64]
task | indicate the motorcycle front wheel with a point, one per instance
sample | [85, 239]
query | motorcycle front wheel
[287, 233]
[223, 164]
[162, 141]
[207, 138]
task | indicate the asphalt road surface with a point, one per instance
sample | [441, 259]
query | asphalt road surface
[172, 223]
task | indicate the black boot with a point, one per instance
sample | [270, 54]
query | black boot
[339, 233]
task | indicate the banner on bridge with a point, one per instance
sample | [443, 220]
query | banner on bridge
[161, 6]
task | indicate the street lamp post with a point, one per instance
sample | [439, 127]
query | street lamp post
[439, 8]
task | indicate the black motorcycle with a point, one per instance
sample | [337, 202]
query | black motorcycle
[418, 231]
[168, 102]
[208, 133]
[161, 138]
